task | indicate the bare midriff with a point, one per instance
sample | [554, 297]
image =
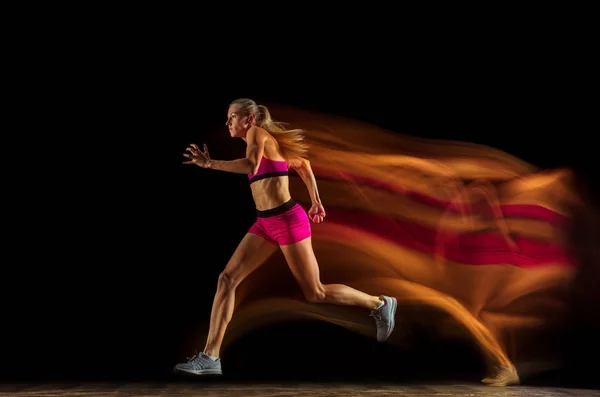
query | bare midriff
[271, 192]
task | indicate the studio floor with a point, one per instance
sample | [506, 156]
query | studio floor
[206, 389]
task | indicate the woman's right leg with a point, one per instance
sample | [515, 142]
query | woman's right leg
[252, 252]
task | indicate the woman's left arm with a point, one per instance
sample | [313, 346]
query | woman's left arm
[303, 168]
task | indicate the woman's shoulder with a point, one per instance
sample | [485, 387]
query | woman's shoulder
[272, 148]
[259, 134]
[259, 131]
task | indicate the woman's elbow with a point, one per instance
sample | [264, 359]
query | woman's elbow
[301, 165]
[252, 167]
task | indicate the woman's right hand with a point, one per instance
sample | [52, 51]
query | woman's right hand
[196, 156]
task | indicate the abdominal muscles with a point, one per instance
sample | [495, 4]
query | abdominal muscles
[270, 192]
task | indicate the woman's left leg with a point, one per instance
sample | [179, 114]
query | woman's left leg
[303, 264]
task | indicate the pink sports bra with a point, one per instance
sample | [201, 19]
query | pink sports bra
[269, 168]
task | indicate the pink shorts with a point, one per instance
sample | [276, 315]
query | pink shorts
[283, 225]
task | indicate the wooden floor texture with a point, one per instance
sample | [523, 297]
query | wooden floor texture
[127, 389]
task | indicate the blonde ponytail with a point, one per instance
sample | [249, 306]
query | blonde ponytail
[291, 142]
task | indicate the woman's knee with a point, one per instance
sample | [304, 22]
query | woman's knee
[315, 293]
[229, 280]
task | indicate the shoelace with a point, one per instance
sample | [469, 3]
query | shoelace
[377, 315]
[501, 373]
[190, 359]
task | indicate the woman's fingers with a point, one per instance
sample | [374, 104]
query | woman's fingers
[195, 153]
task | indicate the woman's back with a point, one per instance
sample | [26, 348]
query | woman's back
[270, 184]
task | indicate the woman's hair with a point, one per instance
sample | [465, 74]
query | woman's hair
[291, 142]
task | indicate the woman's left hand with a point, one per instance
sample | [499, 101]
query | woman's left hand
[317, 213]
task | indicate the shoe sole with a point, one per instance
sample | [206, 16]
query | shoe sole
[198, 372]
[394, 303]
[505, 383]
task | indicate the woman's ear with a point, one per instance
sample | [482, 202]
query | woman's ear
[251, 118]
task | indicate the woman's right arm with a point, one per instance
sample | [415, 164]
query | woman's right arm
[248, 165]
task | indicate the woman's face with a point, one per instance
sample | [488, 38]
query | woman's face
[238, 121]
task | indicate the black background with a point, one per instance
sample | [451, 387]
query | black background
[115, 246]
